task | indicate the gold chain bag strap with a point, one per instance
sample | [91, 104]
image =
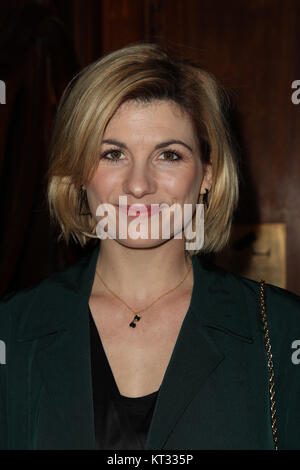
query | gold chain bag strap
[270, 363]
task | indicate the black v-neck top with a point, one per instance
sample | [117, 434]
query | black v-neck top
[121, 423]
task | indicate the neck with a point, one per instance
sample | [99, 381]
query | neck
[138, 275]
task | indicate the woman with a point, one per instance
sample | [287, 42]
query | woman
[139, 345]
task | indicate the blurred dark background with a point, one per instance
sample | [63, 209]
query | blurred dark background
[251, 46]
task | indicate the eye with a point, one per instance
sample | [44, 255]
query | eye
[112, 156]
[170, 154]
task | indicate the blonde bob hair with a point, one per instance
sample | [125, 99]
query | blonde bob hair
[142, 72]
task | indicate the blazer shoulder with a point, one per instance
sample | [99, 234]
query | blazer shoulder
[282, 300]
[279, 302]
[67, 276]
[14, 303]
[282, 306]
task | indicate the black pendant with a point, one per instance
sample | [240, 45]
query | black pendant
[136, 318]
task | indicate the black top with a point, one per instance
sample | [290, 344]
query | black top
[121, 423]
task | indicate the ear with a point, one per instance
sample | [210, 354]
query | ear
[207, 177]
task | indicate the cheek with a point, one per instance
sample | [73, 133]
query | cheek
[185, 185]
[103, 182]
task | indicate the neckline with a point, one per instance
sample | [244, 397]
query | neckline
[115, 389]
[148, 397]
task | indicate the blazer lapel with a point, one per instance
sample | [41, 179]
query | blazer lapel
[194, 358]
[216, 303]
[66, 417]
[60, 383]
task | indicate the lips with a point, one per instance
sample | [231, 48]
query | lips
[142, 211]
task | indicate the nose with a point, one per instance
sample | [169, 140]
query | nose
[139, 180]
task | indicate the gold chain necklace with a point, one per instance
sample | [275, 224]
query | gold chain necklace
[137, 313]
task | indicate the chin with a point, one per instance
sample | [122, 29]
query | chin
[140, 243]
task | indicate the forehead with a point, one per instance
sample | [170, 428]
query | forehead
[158, 116]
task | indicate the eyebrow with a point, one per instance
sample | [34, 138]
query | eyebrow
[158, 146]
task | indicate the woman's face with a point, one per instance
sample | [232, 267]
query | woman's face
[149, 154]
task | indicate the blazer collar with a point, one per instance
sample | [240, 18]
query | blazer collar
[59, 299]
[64, 295]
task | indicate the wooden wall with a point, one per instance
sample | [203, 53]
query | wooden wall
[252, 47]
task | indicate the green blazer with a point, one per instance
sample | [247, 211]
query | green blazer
[215, 391]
